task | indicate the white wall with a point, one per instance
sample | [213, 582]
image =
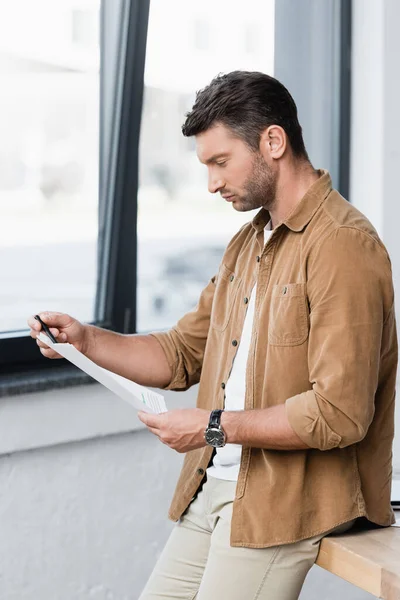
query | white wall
[86, 518]
[375, 129]
[84, 494]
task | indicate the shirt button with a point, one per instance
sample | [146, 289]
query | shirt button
[234, 343]
[246, 300]
[232, 277]
[223, 385]
[200, 471]
[258, 259]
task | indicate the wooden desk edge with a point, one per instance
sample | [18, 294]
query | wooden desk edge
[341, 556]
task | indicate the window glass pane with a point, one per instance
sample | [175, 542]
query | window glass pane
[49, 78]
[183, 229]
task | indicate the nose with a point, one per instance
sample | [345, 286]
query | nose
[215, 182]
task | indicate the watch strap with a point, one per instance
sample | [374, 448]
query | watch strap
[215, 418]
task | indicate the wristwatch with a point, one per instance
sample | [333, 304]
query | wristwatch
[214, 434]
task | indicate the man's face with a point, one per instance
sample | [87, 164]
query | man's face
[240, 175]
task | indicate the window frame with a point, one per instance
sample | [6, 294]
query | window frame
[313, 59]
[115, 303]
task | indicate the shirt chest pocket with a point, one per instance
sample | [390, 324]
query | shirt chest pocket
[288, 316]
[224, 298]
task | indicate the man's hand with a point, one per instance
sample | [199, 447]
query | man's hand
[182, 430]
[64, 328]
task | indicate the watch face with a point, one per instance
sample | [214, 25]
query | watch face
[215, 437]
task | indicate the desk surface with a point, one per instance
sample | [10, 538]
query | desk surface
[369, 559]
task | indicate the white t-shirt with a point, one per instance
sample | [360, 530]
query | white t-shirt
[226, 461]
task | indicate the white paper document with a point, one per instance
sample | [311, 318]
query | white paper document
[136, 395]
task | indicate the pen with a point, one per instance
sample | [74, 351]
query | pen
[46, 329]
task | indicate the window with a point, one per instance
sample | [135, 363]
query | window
[77, 232]
[49, 119]
[252, 34]
[201, 34]
[69, 171]
[85, 27]
[182, 229]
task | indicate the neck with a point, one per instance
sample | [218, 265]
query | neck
[292, 184]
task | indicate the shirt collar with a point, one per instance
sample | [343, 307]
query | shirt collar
[304, 211]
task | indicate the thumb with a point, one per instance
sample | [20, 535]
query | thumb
[142, 416]
[56, 319]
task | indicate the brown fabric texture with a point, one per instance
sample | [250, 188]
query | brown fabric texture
[324, 344]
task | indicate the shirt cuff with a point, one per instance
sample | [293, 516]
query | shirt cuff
[166, 342]
[307, 422]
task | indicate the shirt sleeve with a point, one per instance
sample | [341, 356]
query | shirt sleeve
[184, 344]
[350, 294]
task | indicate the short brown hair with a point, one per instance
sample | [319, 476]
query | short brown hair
[247, 102]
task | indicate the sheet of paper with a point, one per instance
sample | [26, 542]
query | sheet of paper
[136, 395]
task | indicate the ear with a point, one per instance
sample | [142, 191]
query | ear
[273, 142]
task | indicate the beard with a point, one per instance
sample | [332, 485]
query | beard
[259, 188]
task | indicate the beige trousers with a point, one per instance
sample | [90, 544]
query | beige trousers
[199, 563]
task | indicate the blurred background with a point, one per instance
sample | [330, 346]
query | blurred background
[105, 214]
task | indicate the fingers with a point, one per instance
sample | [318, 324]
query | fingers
[155, 431]
[55, 318]
[46, 351]
[52, 319]
[59, 319]
[161, 437]
[55, 322]
[61, 337]
[150, 419]
[147, 419]
[49, 353]
[33, 323]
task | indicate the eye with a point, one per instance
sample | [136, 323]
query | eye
[221, 163]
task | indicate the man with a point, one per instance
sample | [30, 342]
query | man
[294, 345]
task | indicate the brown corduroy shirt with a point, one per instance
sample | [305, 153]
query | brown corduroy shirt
[324, 344]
